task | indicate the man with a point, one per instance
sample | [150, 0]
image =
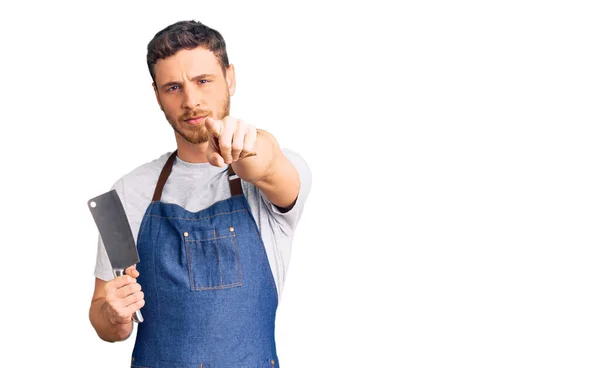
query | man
[214, 222]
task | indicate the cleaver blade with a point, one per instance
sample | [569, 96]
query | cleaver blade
[115, 231]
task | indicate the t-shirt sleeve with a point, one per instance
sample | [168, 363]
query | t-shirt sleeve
[289, 219]
[103, 269]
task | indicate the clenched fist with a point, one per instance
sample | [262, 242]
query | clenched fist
[230, 140]
[124, 296]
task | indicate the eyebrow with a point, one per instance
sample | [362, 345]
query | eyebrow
[173, 83]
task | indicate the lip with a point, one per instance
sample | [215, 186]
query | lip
[195, 121]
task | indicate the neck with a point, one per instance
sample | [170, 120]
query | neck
[194, 153]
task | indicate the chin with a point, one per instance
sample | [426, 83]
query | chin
[196, 138]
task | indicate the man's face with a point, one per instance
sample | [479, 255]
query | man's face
[190, 86]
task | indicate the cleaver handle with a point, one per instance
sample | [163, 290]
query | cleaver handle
[137, 316]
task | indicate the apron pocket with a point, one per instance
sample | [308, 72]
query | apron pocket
[213, 259]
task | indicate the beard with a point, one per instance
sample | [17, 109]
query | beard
[196, 134]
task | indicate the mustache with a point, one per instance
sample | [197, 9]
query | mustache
[195, 114]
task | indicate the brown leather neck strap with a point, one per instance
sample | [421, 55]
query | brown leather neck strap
[164, 175]
[235, 185]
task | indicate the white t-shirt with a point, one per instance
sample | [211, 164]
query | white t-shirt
[196, 186]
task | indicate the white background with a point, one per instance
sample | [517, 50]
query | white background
[453, 220]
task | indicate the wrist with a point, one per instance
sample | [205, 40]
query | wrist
[106, 315]
[110, 318]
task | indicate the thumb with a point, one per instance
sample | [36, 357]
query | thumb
[215, 159]
[132, 271]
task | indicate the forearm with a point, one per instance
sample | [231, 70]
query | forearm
[270, 171]
[106, 330]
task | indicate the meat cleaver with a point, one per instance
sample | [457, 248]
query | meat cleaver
[111, 220]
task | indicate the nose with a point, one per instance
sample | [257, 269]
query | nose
[192, 98]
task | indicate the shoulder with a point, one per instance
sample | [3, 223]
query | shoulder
[150, 168]
[141, 176]
[291, 154]
[299, 163]
[288, 220]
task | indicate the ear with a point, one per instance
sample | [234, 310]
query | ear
[230, 79]
[156, 94]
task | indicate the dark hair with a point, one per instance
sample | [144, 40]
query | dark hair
[185, 35]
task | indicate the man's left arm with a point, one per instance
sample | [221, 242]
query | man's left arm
[271, 172]
[233, 141]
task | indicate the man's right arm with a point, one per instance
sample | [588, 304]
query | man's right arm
[113, 304]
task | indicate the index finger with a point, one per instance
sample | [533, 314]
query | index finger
[213, 126]
[123, 280]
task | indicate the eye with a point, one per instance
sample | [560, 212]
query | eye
[203, 81]
[172, 88]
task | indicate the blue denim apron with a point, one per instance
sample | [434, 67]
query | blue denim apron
[210, 294]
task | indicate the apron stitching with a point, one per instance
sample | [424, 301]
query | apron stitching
[149, 210]
[189, 262]
[204, 240]
[218, 259]
[226, 286]
[200, 218]
[265, 258]
[156, 277]
[239, 262]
